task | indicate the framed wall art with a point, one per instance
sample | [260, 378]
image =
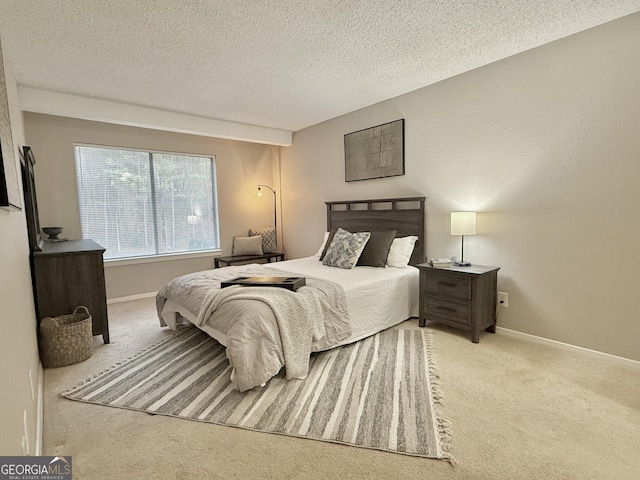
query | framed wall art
[374, 152]
[9, 180]
[8, 187]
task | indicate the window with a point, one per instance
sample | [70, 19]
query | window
[141, 204]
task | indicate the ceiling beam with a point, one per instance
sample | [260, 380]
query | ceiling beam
[73, 106]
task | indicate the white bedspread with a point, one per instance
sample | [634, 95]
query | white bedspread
[377, 298]
[264, 328]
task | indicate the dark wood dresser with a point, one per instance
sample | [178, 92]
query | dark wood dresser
[69, 274]
[461, 297]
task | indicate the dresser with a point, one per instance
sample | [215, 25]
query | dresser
[68, 274]
[461, 297]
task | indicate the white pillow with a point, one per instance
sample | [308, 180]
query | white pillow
[321, 249]
[400, 251]
[345, 249]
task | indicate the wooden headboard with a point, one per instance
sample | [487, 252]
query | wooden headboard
[404, 215]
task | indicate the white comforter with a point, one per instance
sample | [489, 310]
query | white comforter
[377, 298]
[264, 328]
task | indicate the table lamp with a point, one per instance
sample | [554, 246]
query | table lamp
[463, 223]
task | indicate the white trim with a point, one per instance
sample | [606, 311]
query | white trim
[73, 106]
[130, 297]
[572, 348]
[144, 150]
[119, 262]
[40, 411]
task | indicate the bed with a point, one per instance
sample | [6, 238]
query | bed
[267, 328]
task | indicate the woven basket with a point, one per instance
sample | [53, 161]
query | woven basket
[66, 339]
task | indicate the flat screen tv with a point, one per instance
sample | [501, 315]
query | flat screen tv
[30, 202]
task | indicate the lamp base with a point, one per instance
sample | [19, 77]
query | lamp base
[462, 264]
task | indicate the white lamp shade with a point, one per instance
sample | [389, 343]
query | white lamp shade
[463, 223]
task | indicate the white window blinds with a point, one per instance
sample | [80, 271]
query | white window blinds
[139, 204]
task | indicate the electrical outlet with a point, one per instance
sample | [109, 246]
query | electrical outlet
[503, 299]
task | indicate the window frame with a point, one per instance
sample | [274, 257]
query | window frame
[156, 257]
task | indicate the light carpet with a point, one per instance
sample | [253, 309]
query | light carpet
[379, 393]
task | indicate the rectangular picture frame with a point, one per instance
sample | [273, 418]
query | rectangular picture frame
[374, 152]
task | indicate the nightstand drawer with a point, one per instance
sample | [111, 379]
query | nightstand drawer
[448, 285]
[449, 310]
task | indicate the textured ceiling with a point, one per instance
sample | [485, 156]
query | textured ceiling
[274, 63]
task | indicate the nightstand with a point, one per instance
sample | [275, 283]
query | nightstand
[461, 297]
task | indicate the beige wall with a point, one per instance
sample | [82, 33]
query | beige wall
[18, 343]
[545, 146]
[239, 167]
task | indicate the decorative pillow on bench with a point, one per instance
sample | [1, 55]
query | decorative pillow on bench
[247, 245]
[269, 243]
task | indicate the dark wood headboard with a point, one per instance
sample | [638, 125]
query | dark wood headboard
[404, 215]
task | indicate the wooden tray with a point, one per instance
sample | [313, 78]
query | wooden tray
[290, 283]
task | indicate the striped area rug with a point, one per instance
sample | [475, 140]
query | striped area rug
[378, 393]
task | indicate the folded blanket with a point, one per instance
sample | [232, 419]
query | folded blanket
[299, 316]
[313, 318]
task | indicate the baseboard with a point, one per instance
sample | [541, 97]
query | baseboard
[131, 297]
[40, 412]
[573, 348]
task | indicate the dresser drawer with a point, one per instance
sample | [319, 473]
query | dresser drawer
[449, 310]
[448, 285]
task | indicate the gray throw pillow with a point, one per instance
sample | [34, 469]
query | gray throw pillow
[247, 245]
[377, 249]
[345, 249]
[269, 244]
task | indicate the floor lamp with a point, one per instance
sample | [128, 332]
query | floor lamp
[463, 223]
[275, 214]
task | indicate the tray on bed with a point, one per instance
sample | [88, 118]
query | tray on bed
[290, 283]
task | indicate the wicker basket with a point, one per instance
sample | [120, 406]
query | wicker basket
[66, 339]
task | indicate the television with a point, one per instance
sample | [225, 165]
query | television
[30, 201]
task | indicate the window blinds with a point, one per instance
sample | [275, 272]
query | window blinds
[138, 204]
